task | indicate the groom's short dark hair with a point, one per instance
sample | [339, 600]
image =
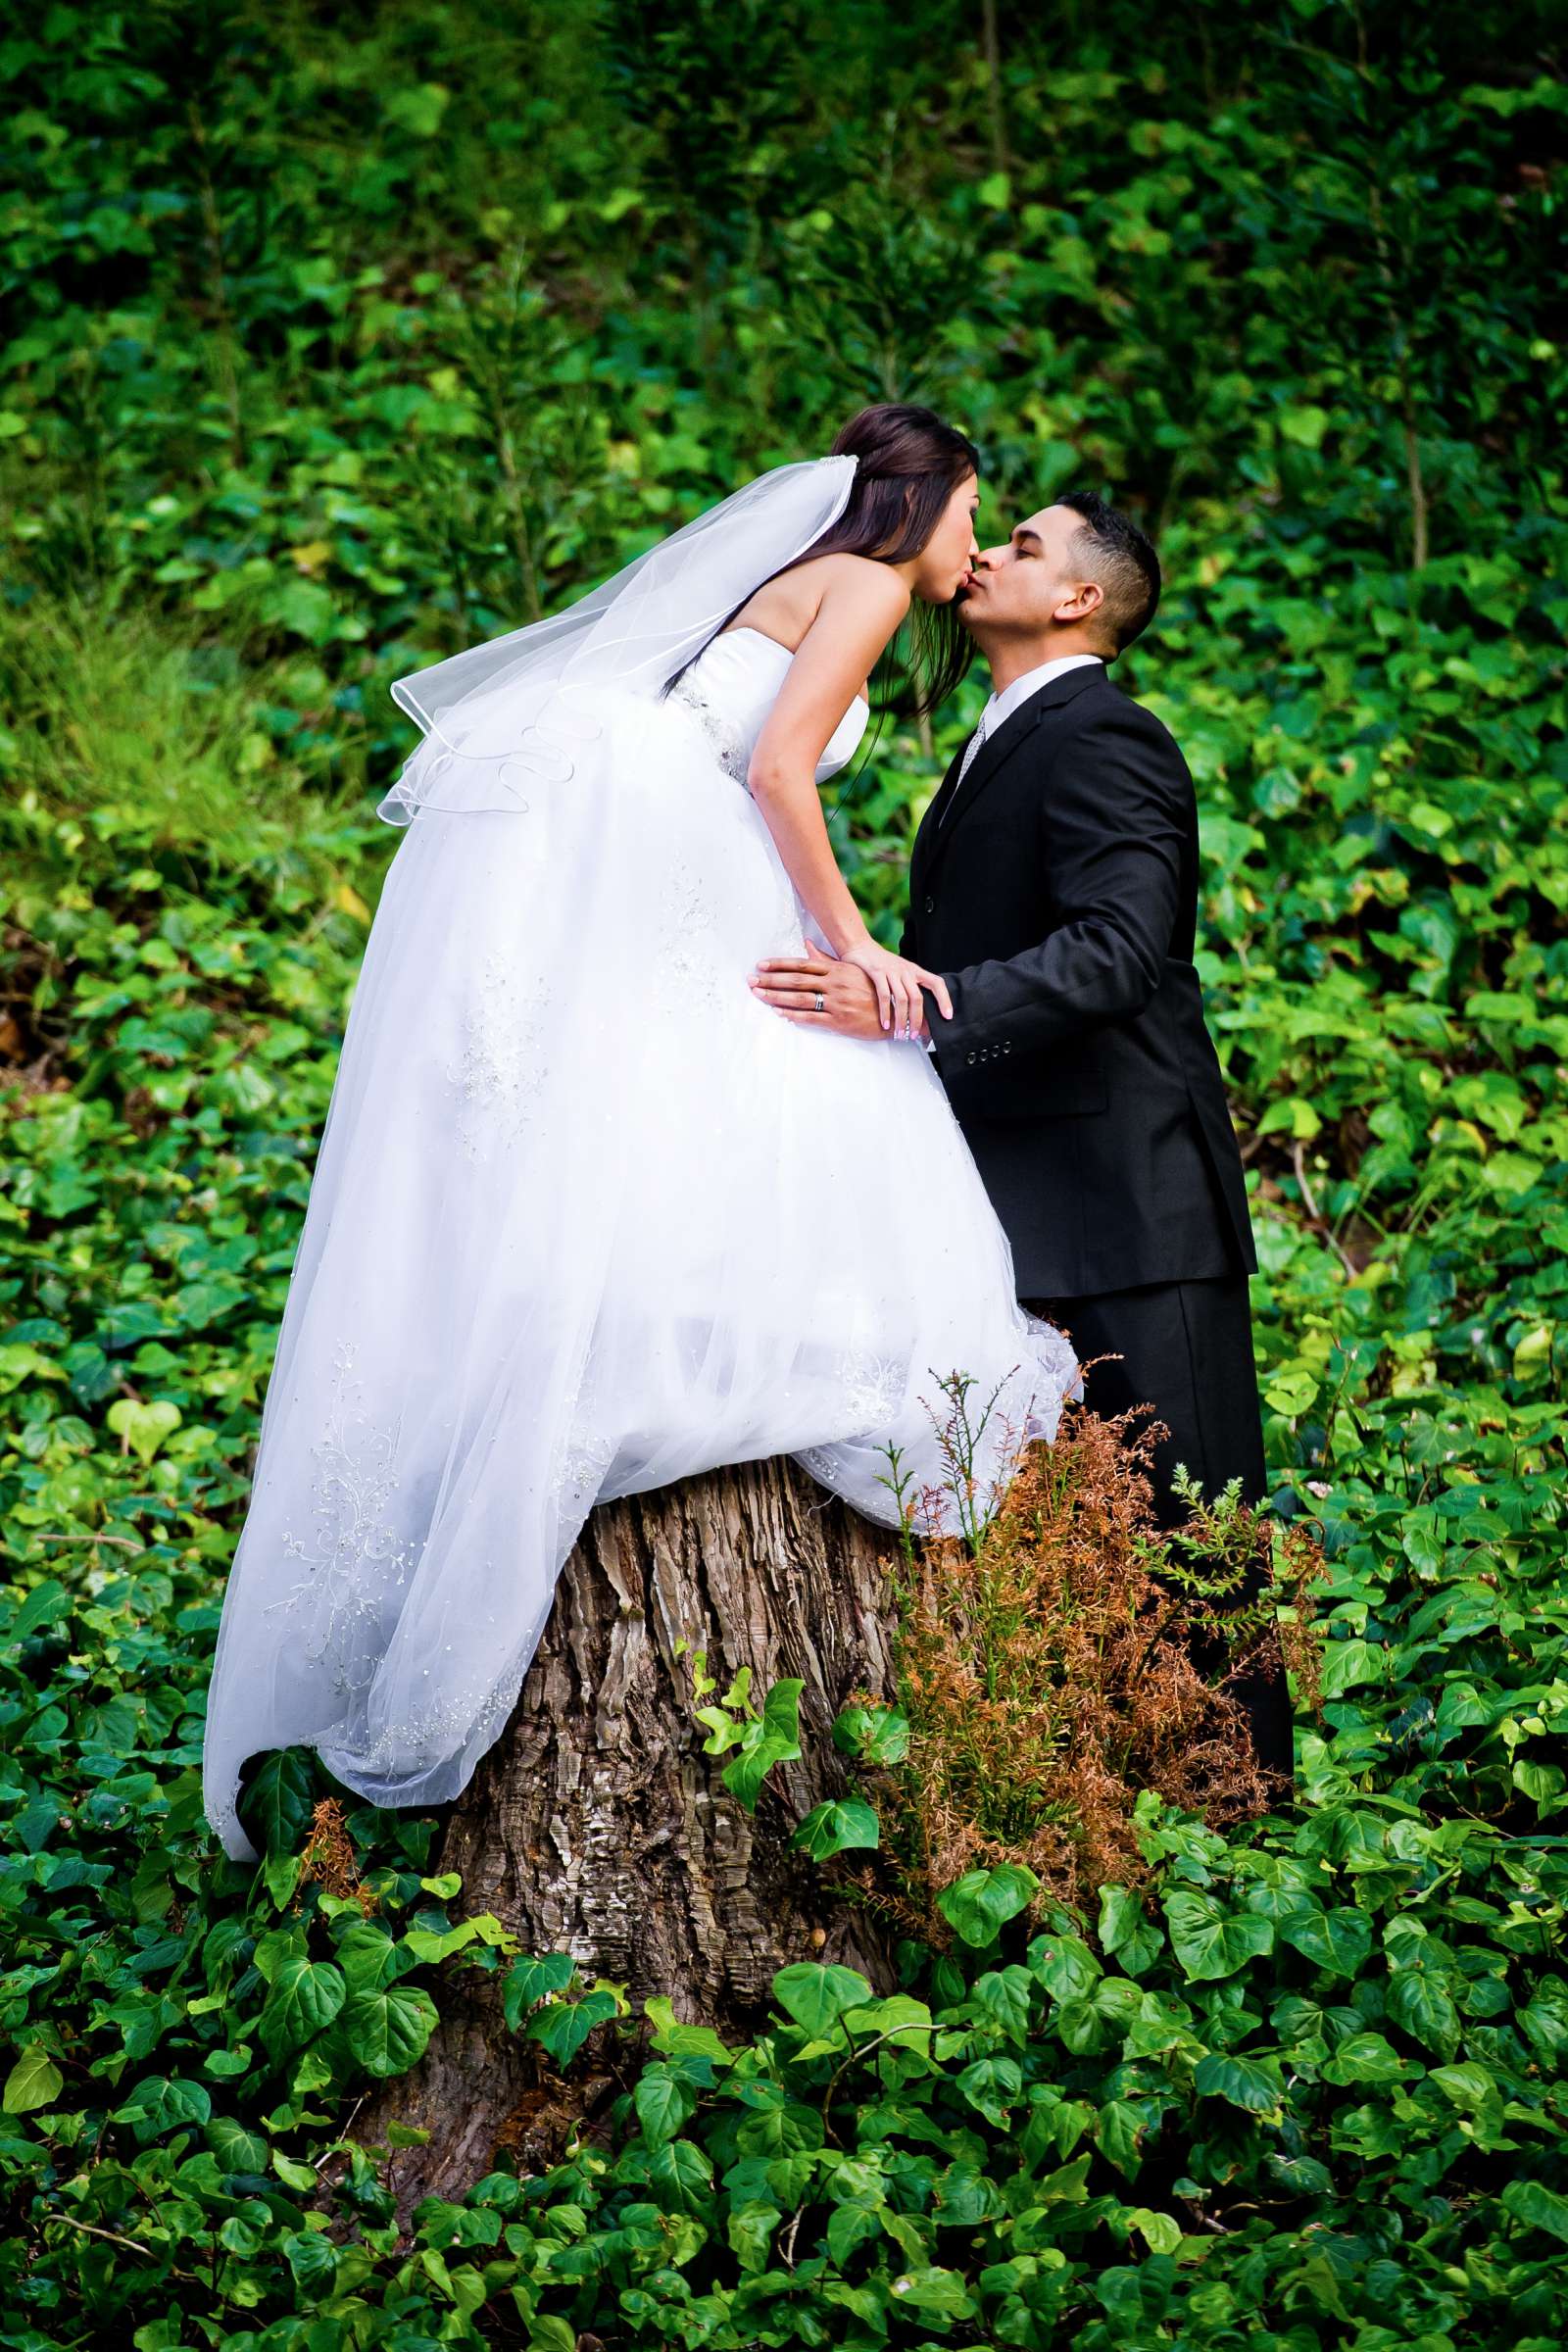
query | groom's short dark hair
[1125, 565]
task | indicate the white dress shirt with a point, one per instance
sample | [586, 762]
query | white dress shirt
[1000, 707]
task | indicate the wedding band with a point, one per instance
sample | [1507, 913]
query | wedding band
[818, 1003]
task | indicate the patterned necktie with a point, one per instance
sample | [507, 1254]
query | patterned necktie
[969, 750]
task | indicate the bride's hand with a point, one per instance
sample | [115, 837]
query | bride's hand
[898, 983]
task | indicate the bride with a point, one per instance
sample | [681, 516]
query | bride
[587, 1217]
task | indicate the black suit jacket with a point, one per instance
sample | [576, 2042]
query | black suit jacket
[1059, 900]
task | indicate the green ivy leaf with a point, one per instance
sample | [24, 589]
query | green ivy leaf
[1423, 2006]
[1468, 2086]
[562, 2026]
[281, 1873]
[1538, 2207]
[873, 1735]
[978, 1907]
[750, 2232]
[1118, 2134]
[665, 2103]
[849, 2225]
[1126, 1932]
[236, 2149]
[991, 2085]
[305, 1997]
[816, 1995]
[681, 2176]
[388, 2027]
[366, 1953]
[1065, 1966]
[33, 2082]
[46, 1604]
[1339, 1941]
[1253, 2084]
[1543, 2022]
[1303, 2175]
[785, 2128]
[279, 1800]
[774, 1740]
[1006, 1995]
[904, 2023]
[1306, 425]
[1211, 1944]
[294, 2175]
[836, 1826]
[1068, 2184]
[1161, 2232]
[312, 2257]
[682, 2041]
[1365, 2058]
[529, 1979]
[145, 1428]
[160, 2104]
[931, 2289]
[1348, 1663]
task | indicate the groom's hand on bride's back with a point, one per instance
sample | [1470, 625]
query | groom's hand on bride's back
[792, 984]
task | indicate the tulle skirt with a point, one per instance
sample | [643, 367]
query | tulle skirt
[586, 1219]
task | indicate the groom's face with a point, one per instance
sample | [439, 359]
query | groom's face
[1029, 586]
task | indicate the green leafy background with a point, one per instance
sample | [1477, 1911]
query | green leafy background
[337, 339]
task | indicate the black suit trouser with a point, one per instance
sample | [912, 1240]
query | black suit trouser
[1186, 1347]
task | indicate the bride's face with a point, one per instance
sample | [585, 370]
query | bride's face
[945, 558]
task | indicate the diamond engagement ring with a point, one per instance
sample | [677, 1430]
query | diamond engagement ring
[818, 1003]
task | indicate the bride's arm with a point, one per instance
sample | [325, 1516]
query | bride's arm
[862, 604]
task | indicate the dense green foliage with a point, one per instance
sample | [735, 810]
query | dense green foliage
[338, 338]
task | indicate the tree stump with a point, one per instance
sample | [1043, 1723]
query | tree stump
[598, 1826]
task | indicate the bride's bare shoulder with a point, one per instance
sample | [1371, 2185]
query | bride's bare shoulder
[854, 579]
[786, 606]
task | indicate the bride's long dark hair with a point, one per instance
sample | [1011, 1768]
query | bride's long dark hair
[909, 465]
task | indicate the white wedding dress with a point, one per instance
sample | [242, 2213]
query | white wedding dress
[589, 1217]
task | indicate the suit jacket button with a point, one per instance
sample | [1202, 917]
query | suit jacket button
[971, 1058]
[1006, 1045]
[930, 904]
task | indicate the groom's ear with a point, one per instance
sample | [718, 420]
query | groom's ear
[1080, 605]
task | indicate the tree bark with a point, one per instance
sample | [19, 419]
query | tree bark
[598, 1826]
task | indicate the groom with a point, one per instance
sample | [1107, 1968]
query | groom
[1053, 885]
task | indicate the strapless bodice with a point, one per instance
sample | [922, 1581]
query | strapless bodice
[732, 686]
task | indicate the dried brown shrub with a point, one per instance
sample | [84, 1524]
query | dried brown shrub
[329, 1856]
[1067, 1654]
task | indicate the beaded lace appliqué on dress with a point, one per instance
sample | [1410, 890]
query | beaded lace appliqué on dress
[687, 969]
[500, 1069]
[344, 1612]
[728, 742]
[355, 1524]
[472, 1712]
[873, 1387]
